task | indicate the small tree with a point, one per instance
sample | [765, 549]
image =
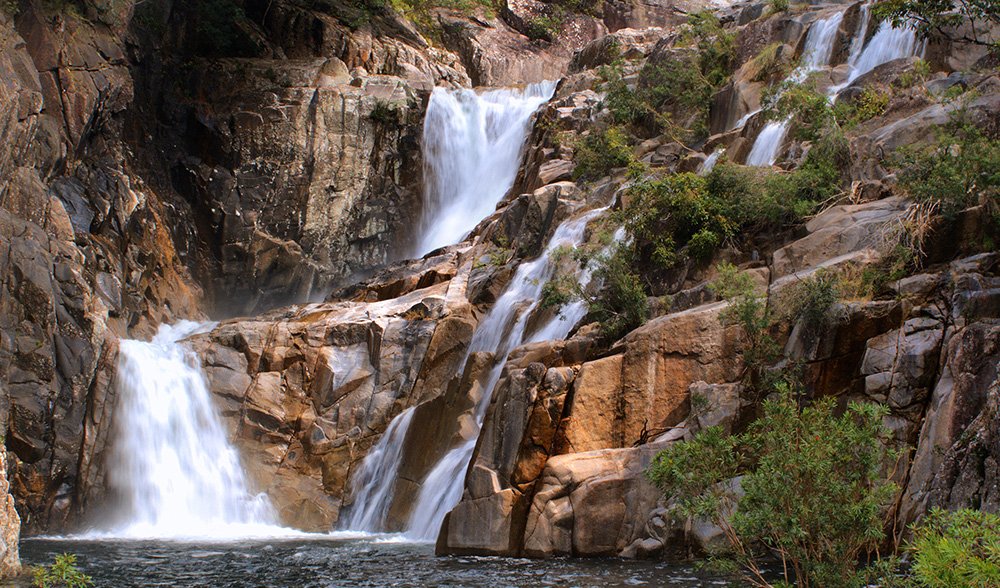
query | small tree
[960, 548]
[943, 18]
[61, 574]
[813, 494]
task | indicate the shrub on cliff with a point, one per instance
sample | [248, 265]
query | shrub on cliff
[961, 168]
[600, 152]
[960, 548]
[620, 304]
[812, 492]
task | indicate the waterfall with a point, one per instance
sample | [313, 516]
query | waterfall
[858, 42]
[710, 161]
[471, 148]
[501, 331]
[887, 44]
[372, 486]
[815, 55]
[171, 462]
[765, 147]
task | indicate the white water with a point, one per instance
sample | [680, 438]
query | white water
[372, 486]
[886, 45]
[710, 161]
[472, 147]
[171, 462]
[815, 55]
[500, 332]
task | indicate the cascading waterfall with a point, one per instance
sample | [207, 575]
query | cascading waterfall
[710, 161]
[887, 44]
[815, 55]
[372, 486]
[471, 147]
[171, 463]
[501, 331]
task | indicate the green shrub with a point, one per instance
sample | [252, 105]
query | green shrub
[777, 6]
[809, 108]
[680, 87]
[960, 548]
[750, 312]
[767, 64]
[544, 28]
[621, 304]
[811, 299]
[10, 7]
[960, 169]
[61, 574]
[813, 494]
[602, 151]
[220, 30]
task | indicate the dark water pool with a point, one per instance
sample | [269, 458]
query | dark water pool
[327, 563]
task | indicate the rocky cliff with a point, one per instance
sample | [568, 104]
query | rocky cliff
[159, 162]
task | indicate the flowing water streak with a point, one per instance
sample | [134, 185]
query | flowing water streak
[373, 485]
[501, 331]
[472, 146]
[172, 463]
[887, 44]
[815, 55]
[710, 161]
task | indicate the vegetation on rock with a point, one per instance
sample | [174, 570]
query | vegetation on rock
[63, 573]
[960, 548]
[802, 482]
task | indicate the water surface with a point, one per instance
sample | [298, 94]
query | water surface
[327, 562]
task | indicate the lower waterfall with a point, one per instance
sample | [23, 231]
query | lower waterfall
[501, 331]
[171, 463]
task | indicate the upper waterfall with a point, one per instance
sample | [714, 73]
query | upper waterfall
[815, 55]
[171, 463]
[471, 148]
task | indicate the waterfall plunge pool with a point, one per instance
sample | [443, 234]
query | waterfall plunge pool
[328, 561]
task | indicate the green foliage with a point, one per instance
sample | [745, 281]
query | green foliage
[960, 169]
[813, 494]
[621, 303]
[870, 103]
[811, 299]
[943, 19]
[767, 64]
[385, 113]
[678, 87]
[10, 7]
[682, 216]
[543, 28]
[920, 72]
[960, 548]
[777, 6]
[750, 312]
[61, 574]
[809, 107]
[602, 151]
[221, 30]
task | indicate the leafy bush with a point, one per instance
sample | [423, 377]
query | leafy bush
[10, 7]
[750, 312]
[767, 64]
[813, 494]
[61, 574]
[809, 107]
[811, 299]
[777, 6]
[220, 30]
[960, 169]
[602, 151]
[620, 305]
[680, 86]
[960, 548]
